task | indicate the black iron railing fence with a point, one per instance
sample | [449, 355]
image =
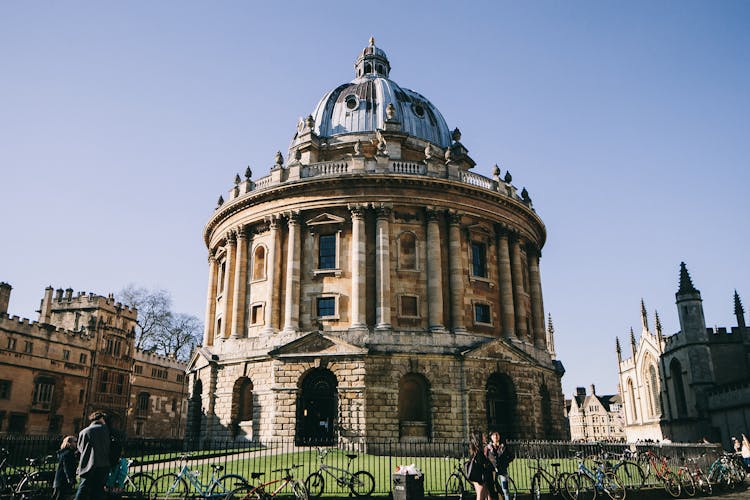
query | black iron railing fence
[436, 459]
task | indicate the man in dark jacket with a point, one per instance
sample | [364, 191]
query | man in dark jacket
[93, 445]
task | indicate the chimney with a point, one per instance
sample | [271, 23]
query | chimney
[580, 391]
[593, 390]
[68, 294]
[5, 289]
[45, 311]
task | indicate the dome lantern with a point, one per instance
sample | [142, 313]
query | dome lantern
[372, 62]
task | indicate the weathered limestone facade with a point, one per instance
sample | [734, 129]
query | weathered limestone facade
[79, 357]
[374, 286]
[689, 385]
[595, 418]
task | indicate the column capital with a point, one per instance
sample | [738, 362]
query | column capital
[242, 232]
[383, 210]
[231, 237]
[272, 221]
[432, 213]
[454, 217]
[211, 256]
[357, 210]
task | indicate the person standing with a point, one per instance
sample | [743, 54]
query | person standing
[65, 475]
[495, 452]
[93, 445]
[478, 468]
[745, 451]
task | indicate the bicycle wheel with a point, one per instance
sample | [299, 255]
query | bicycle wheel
[138, 484]
[536, 486]
[299, 490]
[703, 484]
[315, 484]
[560, 485]
[245, 492]
[35, 486]
[630, 474]
[170, 486]
[454, 486]
[671, 484]
[226, 483]
[511, 487]
[613, 486]
[580, 487]
[686, 483]
[362, 483]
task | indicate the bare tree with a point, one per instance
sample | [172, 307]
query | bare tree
[158, 328]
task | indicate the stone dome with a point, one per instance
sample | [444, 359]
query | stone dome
[362, 105]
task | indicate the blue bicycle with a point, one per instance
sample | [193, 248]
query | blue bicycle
[585, 484]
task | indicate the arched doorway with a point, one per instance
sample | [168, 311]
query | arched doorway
[501, 405]
[317, 403]
[195, 414]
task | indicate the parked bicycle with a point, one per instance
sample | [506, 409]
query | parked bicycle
[702, 484]
[259, 492]
[456, 484]
[626, 468]
[178, 485]
[9, 476]
[726, 471]
[136, 485]
[36, 483]
[361, 483]
[685, 476]
[585, 483]
[547, 482]
[660, 467]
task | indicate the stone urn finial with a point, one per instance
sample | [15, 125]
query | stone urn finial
[429, 152]
[237, 179]
[220, 202]
[508, 178]
[390, 111]
[279, 159]
[456, 135]
[496, 170]
[310, 122]
[248, 173]
[525, 195]
[448, 154]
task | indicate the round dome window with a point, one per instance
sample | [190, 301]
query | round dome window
[418, 110]
[352, 102]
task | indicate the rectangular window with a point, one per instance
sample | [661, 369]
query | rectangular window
[479, 259]
[120, 386]
[43, 390]
[326, 306]
[180, 377]
[104, 381]
[83, 358]
[66, 355]
[5, 389]
[256, 314]
[81, 395]
[327, 251]
[138, 369]
[11, 344]
[28, 348]
[482, 313]
[409, 306]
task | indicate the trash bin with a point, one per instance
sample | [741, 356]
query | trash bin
[408, 487]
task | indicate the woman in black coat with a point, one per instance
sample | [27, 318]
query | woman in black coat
[65, 476]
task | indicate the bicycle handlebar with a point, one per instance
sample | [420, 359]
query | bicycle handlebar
[287, 469]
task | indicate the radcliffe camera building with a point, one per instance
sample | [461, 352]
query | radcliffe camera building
[373, 286]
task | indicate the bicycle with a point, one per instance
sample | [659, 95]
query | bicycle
[685, 477]
[361, 483]
[250, 492]
[725, 472]
[134, 485]
[662, 472]
[700, 479]
[628, 471]
[584, 484]
[555, 483]
[9, 476]
[37, 483]
[175, 485]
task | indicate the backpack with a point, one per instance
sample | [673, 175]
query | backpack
[474, 470]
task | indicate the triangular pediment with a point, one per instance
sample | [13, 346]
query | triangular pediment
[317, 344]
[325, 218]
[499, 349]
[200, 358]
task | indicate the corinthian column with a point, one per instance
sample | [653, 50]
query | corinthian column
[291, 302]
[208, 328]
[357, 319]
[537, 305]
[231, 246]
[270, 276]
[383, 268]
[506, 286]
[240, 282]
[434, 274]
[518, 292]
[456, 276]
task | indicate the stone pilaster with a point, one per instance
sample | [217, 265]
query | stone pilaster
[271, 275]
[456, 274]
[434, 273]
[240, 284]
[358, 248]
[291, 302]
[231, 246]
[537, 306]
[208, 327]
[518, 291]
[507, 315]
[383, 268]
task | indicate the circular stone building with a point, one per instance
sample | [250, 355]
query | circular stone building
[373, 286]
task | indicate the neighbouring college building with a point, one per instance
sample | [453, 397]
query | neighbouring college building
[373, 286]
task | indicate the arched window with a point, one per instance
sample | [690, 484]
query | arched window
[142, 404]
[546, 407]
[195, 413]
[242, 400]
[407, 251]
[675, 371]
[653, 389]
[501, 404]
[368, 68]
[414, 407]
[259, 263]
[631, 400]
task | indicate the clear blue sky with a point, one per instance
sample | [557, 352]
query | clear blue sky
[629, 123]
